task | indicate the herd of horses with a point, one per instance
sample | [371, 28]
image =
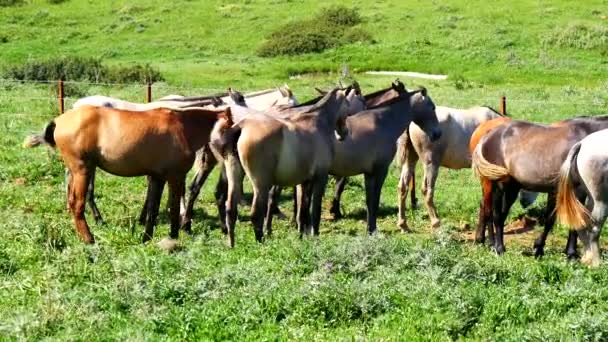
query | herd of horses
[278, 142]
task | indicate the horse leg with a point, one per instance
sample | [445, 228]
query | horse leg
[273, 198]
[277, 190]
[91, 199]
[335, 202]
[539, 243]
[221, 197]
[485, 213]
[303, 217]
[503, 199]
[207, 164]
[599, 212]
[144, 210]
[259, 209]
[407, 175]
[77, 197]
[413, 199]
[370, 187]
[155, 192]
[294, 218]
[67, 179]
[318, 190]
[380, 176]
[177, 185]
[431, 170]
[234, 176]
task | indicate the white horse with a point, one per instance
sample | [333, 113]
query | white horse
[451, 151]
[582, 198]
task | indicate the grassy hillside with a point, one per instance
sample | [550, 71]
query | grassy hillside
[547, 57]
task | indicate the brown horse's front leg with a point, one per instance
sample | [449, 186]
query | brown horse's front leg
[208, 163]
[318, 189]
[79, 185]
[335, 202]
[155, 192]
[539, 243]
[485, 213]
[176, 191]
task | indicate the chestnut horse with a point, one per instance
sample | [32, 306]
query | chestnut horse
[526, 198]
[582, 198]
[159, 143]
[515, 156]
[280, 151]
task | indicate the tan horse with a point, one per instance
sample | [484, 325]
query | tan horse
[281, 151]
[159, 143]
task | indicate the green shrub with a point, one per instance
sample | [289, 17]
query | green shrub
[81, 69]
[330, 28]
[10, 3]
[579, 36]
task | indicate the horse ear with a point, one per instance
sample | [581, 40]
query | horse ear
[320, 91]
[227, 115]
[283, 92]
[357, 88]
[423, 91]
[289, 92]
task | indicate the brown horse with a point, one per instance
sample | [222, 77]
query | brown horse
[159, 143]
[297, 150]
[515, 156]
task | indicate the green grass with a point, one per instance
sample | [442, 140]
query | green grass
[428, 285]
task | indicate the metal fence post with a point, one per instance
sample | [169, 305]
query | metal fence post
[61, 95]
[503, 105]
[148, 92]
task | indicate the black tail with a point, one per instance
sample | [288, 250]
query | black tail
[48, 137]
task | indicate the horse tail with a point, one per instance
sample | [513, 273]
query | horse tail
[46, 138]
[570, 211]
[224, 136]
[404, 146]
[483, 168]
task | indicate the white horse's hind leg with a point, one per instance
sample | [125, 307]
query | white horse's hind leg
[431, 170]
[600, 210]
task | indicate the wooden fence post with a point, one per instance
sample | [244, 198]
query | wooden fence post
[61, 100]
[503, 105]
[148, 92]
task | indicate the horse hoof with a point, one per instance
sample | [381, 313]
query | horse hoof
[279, 215]
[572, 256]
[500, 250]
[405, 230]
[480, 240]
[435, 224]
[539, 252]
[168, 245]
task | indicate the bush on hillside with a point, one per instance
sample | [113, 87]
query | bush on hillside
[11, 3]
[330, 28]
[579, 36]
[81, 69]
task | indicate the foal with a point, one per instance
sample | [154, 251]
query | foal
[159, 143]
[281, 151]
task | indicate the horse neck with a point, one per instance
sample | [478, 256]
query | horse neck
[398, 117]
[197, 127]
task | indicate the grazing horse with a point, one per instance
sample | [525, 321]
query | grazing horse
[526, 198]
[371, 146]
[280, 151]
[582, 197]
[451, 151]
[159, 143]
[515, 156]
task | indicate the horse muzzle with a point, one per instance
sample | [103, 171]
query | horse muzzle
[435, 134]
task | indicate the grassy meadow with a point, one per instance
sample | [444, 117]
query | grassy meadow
[549, 58]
